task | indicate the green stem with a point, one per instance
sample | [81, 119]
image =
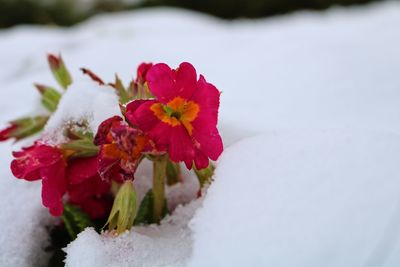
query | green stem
[159, 177]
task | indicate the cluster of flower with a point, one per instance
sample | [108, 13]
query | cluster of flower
[169, 116]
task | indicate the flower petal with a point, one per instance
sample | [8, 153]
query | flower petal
[142, 72]
[54, 187]
[93, 186]
[81, 169]
[166, 84]
[31, 159]
[139, 114]
[181, 146]
[201, 161]
[210, 143]
[160, 79]
[104, 129]
[186, 78]
[108, 167]
[207, 97]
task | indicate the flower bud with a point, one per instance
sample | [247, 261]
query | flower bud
[59, 70]
[204, 176]
[23, 128]
[50, 96]
[123, 212]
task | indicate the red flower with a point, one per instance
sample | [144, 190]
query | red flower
[121, 147]
[45, 162]
[183, 118]
[79, 179]
[86, 189]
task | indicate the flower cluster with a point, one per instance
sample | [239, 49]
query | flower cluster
[169, 116]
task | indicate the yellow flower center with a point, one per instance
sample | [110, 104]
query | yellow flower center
[176, 112]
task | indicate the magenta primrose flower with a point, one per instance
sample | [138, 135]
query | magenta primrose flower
[182, 119]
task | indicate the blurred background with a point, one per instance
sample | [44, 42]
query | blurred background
[69, 12]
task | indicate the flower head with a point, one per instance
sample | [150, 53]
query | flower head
[182, 119]
[121, 148]
[43, 162]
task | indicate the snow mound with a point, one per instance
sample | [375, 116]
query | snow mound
[166, 245]
[300, 198]
[83, 101]
[23, 219]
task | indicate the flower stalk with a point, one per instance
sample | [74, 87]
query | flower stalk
[159, 180]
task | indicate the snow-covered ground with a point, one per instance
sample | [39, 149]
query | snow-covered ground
[310, 117]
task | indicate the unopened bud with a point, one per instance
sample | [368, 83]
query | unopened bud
[50, 96]
[204, 176]
[60, 72]
[123, 212]
[22, 128]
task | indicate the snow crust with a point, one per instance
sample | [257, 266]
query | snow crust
[318, 184]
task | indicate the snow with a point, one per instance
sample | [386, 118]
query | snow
[164, 245]
[306, 198]
[23, 221]
[84, 100]
[310, 119]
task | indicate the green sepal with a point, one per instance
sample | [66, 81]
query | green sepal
[82, 148]
[59, 70]
[123, 212]
[28, 126]
[122, 92]
[204, 175]
[50, 97]
[75, 220]
[79, 132]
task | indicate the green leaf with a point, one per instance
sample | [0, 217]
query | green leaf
[145, 212]
[173, 173]
[144, 215]
[75, 220]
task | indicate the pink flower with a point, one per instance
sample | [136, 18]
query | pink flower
[43, 162]
[182, 120]
[121, 148]
[86, 189]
